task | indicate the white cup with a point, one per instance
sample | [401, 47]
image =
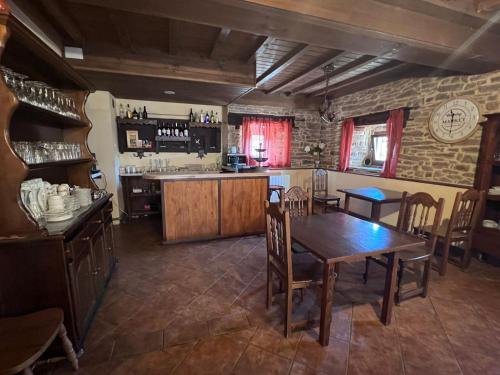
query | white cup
[56, 203]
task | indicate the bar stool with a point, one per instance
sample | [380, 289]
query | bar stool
[25, 338]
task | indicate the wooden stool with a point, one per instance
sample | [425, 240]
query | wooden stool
[24, 339]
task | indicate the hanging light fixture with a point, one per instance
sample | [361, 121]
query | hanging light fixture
[326, 111]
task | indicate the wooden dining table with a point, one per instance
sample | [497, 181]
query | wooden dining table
[376, 196]
[338, 237]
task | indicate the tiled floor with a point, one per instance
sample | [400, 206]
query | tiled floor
[200, 309]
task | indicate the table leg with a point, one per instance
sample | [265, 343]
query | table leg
[375, 216]
[346, 204]
[390, 287]
[326, 304]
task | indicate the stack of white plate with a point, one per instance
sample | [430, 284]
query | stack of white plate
[84, 196]
[71, 203]
[494, 190]
[490, 224]
[54, 216]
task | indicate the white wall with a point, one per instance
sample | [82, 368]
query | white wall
[103, 142]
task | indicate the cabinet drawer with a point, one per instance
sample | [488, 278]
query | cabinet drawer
[107, 211]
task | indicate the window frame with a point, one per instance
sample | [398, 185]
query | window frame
[375, 162]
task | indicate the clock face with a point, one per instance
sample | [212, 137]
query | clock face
[454, 120]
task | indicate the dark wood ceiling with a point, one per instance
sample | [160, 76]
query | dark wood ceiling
[216, 51]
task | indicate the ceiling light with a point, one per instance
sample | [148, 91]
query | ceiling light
[326, 111]
[169, 92]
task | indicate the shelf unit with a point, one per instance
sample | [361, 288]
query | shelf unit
[487, 240]
[66, 264]
[135, 202]
[206, 137]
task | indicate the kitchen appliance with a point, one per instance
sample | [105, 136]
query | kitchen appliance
[236, 163]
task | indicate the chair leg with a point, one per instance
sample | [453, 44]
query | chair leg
[27, 371]
[269, 289]
[426, 277]
[367, 266]
[467, 255]
[68, 347]
[288, 312]
[444, 261]
[400, 280]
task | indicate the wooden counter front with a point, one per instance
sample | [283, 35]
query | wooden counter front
[198, 209]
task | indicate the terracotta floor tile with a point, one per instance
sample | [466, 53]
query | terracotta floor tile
[228, 323]
[213, 355]
[138, 343]
[181, 332]
[257, 361]
[300, 369]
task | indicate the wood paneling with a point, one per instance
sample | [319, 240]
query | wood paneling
[190, 209]
[242, 206]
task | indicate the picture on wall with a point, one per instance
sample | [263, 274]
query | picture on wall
[132, 138]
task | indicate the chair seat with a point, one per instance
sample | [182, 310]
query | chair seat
[441, 233]
[25, 338]
[298, 248]
[325, 198]
[306, 269]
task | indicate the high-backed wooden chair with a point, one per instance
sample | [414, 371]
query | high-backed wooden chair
[24, 339]
[320, 189]
[298, 201]
[463, 220]
[418, 213]
[293, 275]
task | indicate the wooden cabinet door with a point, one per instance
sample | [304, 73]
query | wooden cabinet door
[82, 271]
[190, 209]
[242, 208]
[109, 244]
[100, 259]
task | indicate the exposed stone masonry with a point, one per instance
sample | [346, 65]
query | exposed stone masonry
[422, 157]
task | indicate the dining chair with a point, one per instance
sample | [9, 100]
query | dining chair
[418, 212]
[463, 220]
[25, 338]
[295, 272]
[320, 190]
[299, 203]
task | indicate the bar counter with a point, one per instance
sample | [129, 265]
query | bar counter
[207, 205]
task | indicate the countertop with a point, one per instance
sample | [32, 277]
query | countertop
[205, 175]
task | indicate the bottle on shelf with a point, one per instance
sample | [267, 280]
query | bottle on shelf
[139, 115]
[191, 115]
[207, 118]
[144, 113]
[159, 131]
[202, 116]
[186, 130]
[212, 118]
[129, 112]
[168, 132]
[135, 114]
[121, 112]
[216, 118]
[176, 130]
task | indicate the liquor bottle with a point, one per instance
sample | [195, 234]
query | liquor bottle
[176, 130]
[216, 118]
[129, 112]
[135, 114]
[139, 115]
[186, 131]
[159, 131]
[121, 112]
[202, 116]
[207, 119]
[168, 131]
[144, 113]
[212, 118]
[191, 115]
[164, 130]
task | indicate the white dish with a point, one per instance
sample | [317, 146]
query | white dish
[58, 216]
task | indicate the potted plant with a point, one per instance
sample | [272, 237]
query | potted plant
[315, 149]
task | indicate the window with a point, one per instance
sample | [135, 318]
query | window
[368, 147]
[256, 141]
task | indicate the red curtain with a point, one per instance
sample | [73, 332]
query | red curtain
[395, 124]
[345, 144]
[275, 136]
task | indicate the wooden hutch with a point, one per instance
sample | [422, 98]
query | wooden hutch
[65, 264]
[487, 240]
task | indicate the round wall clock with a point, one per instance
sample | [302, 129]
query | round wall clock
[454, 120]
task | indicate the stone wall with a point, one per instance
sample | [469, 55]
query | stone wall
[307, 130]
[422, 157]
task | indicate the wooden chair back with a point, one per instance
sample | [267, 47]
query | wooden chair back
[417, 213]
[465, 213]
[279, 241]
[319, 182]
[298, 201]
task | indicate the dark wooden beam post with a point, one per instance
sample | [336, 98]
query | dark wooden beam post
[282, 63]
[219, 41]
[260, 46]
[60, 16]
[121, 31]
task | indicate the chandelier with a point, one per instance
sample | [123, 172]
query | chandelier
[326, 111]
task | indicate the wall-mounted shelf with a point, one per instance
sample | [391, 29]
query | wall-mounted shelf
[128, 121]
[164, 138]
[204, 125]
[60, 163]
[51, 118]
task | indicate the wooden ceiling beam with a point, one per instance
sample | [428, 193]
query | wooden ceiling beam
[173, 67]
[261, 45]
[121, 32]
[314, 67]
[64, 21]
[283, 63]
[369, 27]
[219, 41]
[356, 64]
